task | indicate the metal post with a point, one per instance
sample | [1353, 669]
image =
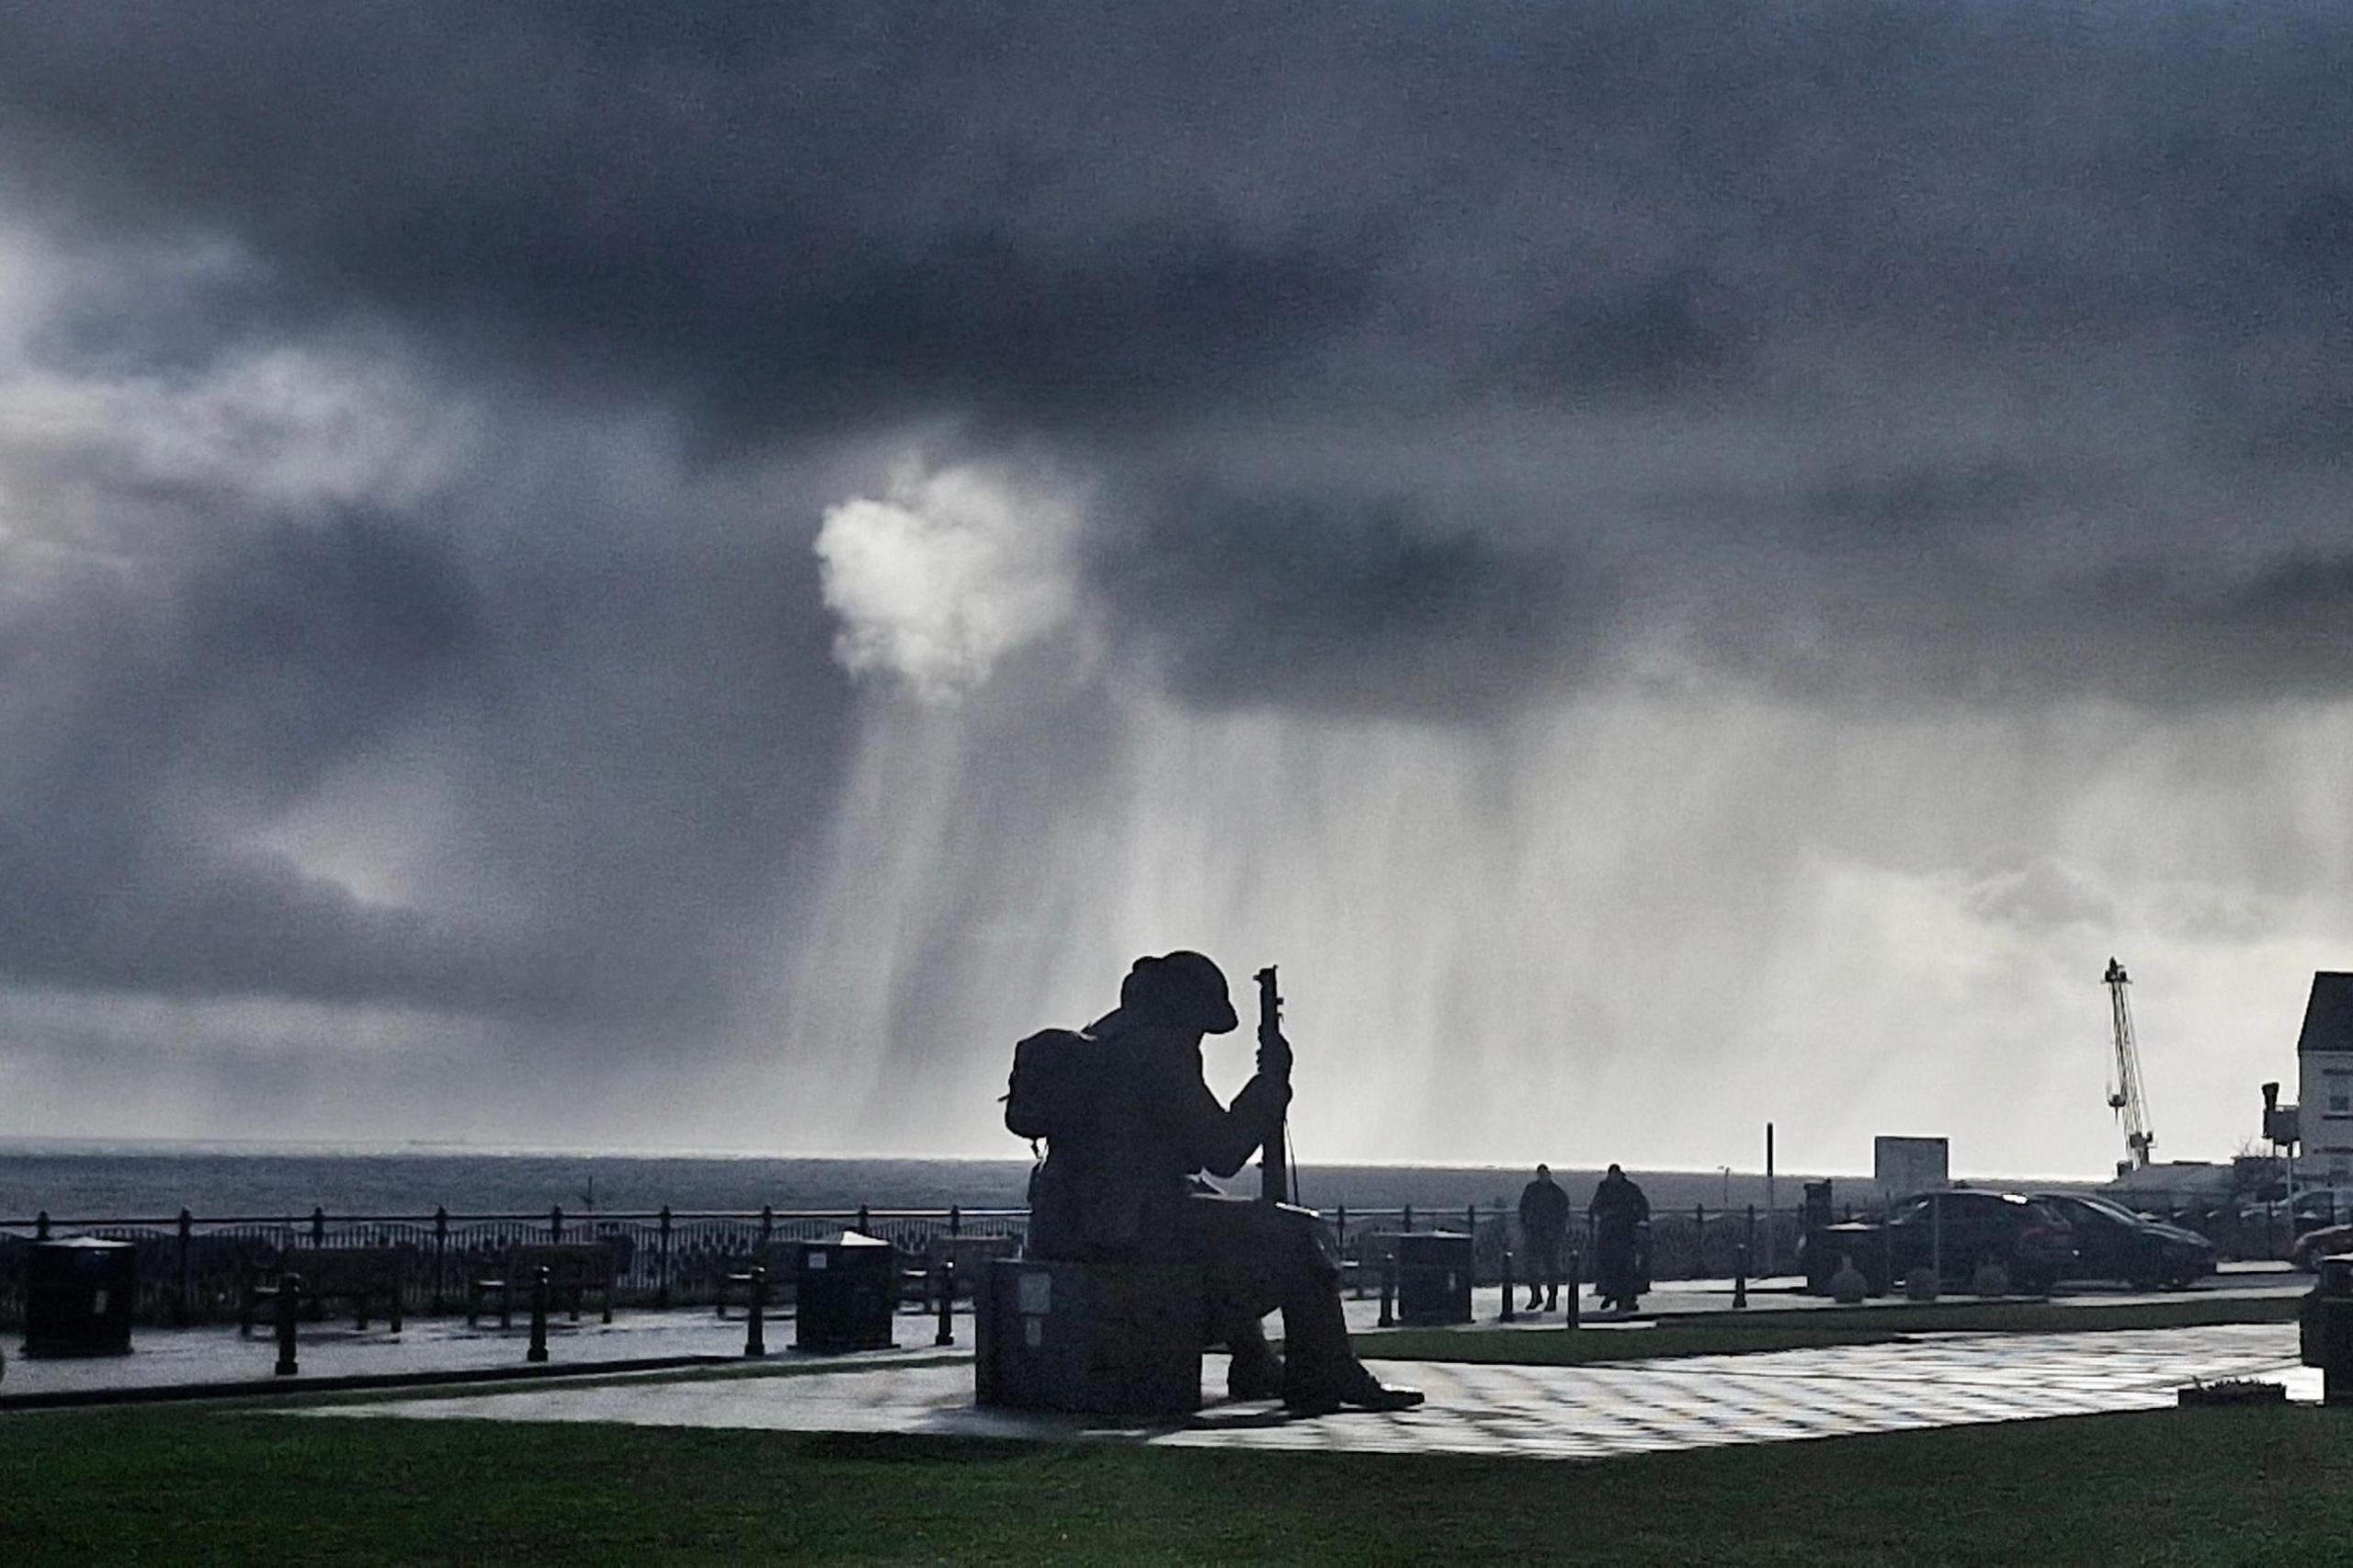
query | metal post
[946, 1335]
[768, 1227]
[440, 1256]
[538, 1350]
[756, 1333]
[1740, 1276]
[661, 1266]
[318, 1226]
[179, 1295]
[41, 1226]
[955, 1220]
[865, 1221]
[1769, 1197]
[1389, 1291]
[1576, 1266]
[1407, 1223]
[1506, 1315]
[289, 1301]
[556, 1223]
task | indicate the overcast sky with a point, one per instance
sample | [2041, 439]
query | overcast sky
[683, 574]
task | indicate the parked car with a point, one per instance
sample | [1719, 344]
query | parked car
[2114, 1243]
[2028, 1238]
[2326, 1241]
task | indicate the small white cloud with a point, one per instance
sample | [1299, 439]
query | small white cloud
[947, 575]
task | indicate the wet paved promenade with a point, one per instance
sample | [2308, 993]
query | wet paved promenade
[1539, 1412]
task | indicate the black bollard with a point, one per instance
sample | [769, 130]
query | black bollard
[538, 1350]
[946, 1335]
[1389, 1291]
[1506, 1315]
[756, 1333]
[1577, 1261]
[1740, 1275]
[289, 1301]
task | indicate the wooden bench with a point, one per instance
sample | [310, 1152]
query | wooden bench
[573, 1270]
[354, 1274]
[1109, 1339]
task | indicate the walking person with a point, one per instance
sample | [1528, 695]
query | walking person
[1544, 1234]
[1620, 1211]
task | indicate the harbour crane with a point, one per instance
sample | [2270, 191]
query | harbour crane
[2124, 1097]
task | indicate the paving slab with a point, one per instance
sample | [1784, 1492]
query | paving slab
[167, 1363]
[1582, 1413]
[177, 1362]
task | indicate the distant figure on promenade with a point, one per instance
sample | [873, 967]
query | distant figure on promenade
[1619, 1212]
[1121, 1180]
[1544, 1233]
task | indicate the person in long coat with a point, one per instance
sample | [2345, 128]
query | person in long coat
[1124, 1183]
[1618, 1211]
[1544, 1234]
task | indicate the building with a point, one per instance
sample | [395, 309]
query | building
[2325, 1081]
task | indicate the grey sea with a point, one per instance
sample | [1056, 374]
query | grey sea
[73, 1179]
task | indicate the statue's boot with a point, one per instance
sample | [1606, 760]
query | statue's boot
[1256, 1371]
[1321, 1374]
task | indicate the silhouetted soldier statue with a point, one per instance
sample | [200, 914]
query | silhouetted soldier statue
[1618, 1211]
[1544, 1234]
[1122, 1183]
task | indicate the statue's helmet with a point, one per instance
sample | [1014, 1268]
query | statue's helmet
[1185, 988]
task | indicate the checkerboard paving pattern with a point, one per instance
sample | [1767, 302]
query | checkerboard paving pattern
[1542, 1412]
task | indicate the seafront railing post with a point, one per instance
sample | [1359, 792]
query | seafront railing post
[538, 1348]
[955, 1220]
[179, 1289]
[41, 1226]
[556, 1223]
[865, 1221]
[662, 1263]
[318, 1226]
[768, 1228]
[756, 1333]
[290, 1302]
[1406, 1222]
[440, 1255]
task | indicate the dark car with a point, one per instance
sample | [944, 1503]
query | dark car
[2114, 1243]
[2030, 1239]
[2326, 1242]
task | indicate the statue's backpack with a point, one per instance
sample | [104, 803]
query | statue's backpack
[1056, 1084]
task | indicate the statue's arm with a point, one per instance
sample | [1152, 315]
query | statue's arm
[1223, 1139]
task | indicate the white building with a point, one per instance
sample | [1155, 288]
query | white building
[2324, 1082]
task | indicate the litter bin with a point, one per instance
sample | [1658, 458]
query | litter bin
[845, 1292]
[78, 1295]
[2324, 1330]
[1433, 1276]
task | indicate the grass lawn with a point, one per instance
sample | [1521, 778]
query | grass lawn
[184, 1484]
[1728, 1336]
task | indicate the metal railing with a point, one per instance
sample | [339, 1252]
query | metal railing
[195, 1269]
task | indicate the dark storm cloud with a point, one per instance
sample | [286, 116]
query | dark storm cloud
[1426, 357]
[158, 706]
[1362, 606]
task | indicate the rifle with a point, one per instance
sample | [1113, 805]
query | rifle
[1273, 1171]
